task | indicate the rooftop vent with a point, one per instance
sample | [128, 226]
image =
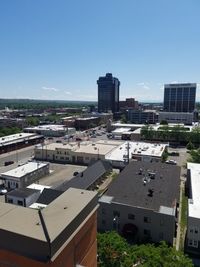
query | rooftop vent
[152, 175]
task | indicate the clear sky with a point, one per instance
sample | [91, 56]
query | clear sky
[57, 49]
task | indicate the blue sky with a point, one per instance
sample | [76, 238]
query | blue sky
[57, 49]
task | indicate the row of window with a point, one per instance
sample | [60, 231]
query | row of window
[19, 202]
[193, 243]
[194, 230]
[65, 153]
[130, 216]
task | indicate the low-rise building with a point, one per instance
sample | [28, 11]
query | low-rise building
[86, 123]
[117, 133]
[141, 202]
[56, 152]
[17, 141]
[141, 151]
[193, 220]
[82, 152]
[22, 196]
[61, 234]
[51, 130]
[176, 117]
[142, 116]
[24, 175]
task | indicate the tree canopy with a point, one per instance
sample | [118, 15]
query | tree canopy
[195, 156]
[114, 251]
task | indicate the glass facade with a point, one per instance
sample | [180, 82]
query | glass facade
[179, 97]
[108, 93]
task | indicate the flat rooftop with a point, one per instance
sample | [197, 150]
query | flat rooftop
[38, 187]
[194, 203]
[48, 127]
[22, 192]
[110, 142]
[132, 185]
[127, 125]
[121, 130]
[9, 139]
[86, 119]
[24, 169]
[136, 148]
[95, 148]
[62, 217]
[54, 146]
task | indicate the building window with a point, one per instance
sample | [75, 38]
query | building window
[192, 243]
[19, 202]
[103, 211]
[9, 200]
[104, 222]
[116, 213]
[196, 231]
[147, 232]
[161, 222]
[131, 216]
[161, 236]
[191, 230]
[147, 219]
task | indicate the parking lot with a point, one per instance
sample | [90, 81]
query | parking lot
[60, 173]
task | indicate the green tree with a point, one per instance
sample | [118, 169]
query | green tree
[195, 135]
[163, 122]
[190, 146]
[164, 132]
[123, 118]
[114, 251]
[147, 132]
[9, 130]
[32, 121]
[194, 156]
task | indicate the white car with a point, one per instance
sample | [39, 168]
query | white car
[171, 161]
[3, 191]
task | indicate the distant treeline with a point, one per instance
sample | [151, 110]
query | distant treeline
[9, 130]
[43, 104]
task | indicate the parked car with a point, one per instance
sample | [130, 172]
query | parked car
[6, 163]
[171, 161]
[3, 191]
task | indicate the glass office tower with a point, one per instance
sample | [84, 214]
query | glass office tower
[180, 97]
[108, 93]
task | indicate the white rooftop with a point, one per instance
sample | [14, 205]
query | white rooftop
[38, 187]
[24, 169]
[194, 203]
[136, 148]
[48, 127]
[15, 137]
[121, 130]
[95, 148]
[127, 125]
[37, 206]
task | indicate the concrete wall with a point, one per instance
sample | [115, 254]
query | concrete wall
[161, 226]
